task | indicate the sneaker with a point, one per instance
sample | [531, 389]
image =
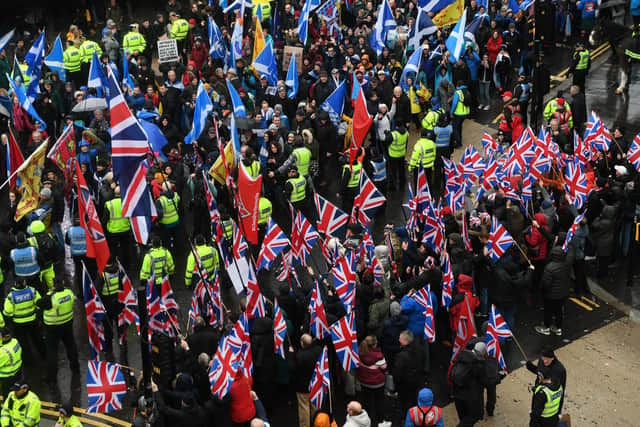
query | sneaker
[557, 331]
[480, 106]
[589, 258]
[542, 330]
[486, 108]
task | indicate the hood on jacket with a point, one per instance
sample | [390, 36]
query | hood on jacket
[360, 420]
[456, 239]
[557, 254]
[465, 283]
[425, 397]
[541, 219]
[608, 212]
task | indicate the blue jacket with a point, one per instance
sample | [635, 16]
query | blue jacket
[425, 400]
[415, 313]
[456, 98]
[473, 62]
[588, 8]
[635, 7]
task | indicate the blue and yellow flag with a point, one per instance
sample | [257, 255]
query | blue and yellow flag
[449, 15]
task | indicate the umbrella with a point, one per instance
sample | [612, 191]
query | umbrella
[91, 104]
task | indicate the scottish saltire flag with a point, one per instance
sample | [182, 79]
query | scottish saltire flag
[128, 297]
[455, 41]
[236, 101]
[331, 220]
[97, 79]
[303, 238]
[515, 7]
[265, 64]
[303, 22]
[367, 201]
[236, 41]
[320, 380]
[575, 183]
[224, 367]
[55, 59]
[292, 78]
[255, 300]
[412, 66]
[434, 6]
[423, 27]
[200, 113]
[572, 230]
[493, 346]
[318, 325]
[273, 243]
[633, 154]
[96, 314]
[129, 144]
[217, 45]
[499, 240]
[4, 40]
[127, 79]
[472, 28]
[25, 103]
[235, 5]
[35, 55]
[344, 279]
[384, 24]
[345, 342]
[334, 104]
[106, 387]
[279, 329]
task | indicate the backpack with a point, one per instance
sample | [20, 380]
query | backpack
[467, 97]
[460, 373]
[48, 249]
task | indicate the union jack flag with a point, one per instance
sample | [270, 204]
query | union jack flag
[224, 367]
[489, 145]
[544, 137]
[255, 301]
[541, 165]
[344, 278]
[465, 233]
[575, 183]
[239, 338]
[499, 240]
[203, 303]
[423, 195]
[320, 380]
[433, 234]
[329, 12]
[367, 201]
[454, 195]
[129, 300]
[572, 230]
[520, 154]
[141, 227]
[287, 268]
[345, 341]
[273, 243]
[214, 214]
[106, 387]
[633, 154]
[318, 325]
[470, 165]
[493, 346]
[129, 144]
[597, 134]
[527, 188]
[491, 176]
[414, 217]
[423, 297]
[279, 329]
[160, 318]
[499, 325]
[303, 238]
[447, 280]
[239, 247]
[377, 270]
[367, 249]
[96, 313]
[332, 220]
[581, 148]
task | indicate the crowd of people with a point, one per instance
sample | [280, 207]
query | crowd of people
[304, 156]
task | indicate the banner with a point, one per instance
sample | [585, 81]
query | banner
[30, 174]
[248, 201]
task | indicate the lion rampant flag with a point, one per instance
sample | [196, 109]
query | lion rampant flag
[450, 15]
[30, 173]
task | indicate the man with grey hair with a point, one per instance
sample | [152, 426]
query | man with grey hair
[408, 370]
[357, 416]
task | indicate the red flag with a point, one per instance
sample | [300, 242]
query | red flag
[64, 149]
[97, 246]
[248, 199]
[14, 158]
[361, 123]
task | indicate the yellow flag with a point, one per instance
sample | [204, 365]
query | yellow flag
[217, 171]
[449, 15]
[30, 174]
[258, 41]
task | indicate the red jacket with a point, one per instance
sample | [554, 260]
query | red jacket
[369, 373]
[493, 48]
[458, 305]
[242, 408]
[536, 239]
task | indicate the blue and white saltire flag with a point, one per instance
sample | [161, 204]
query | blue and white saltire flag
[25, 103]
[217, 48]
[16, 72]
[236, 41]
[4, 40]
[423, 27]
[436, 54]
[384, 24]
[334, 103]
[201, 111]
[292, 78]
[265, 64]
[303, 22]
[35, 56]
[455, 41]
[238, 106]
[515, 7]
[55, 59]
[235, 138]
[127, 79]
[235, 5]
[471, 29]
[434, 6]
[97, 79]
[412, 66]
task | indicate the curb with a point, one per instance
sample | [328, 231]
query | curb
[604, 295]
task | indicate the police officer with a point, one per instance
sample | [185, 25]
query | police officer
[580, 65]
[397, 150]
[21, 308]
[431, 118]
[552, 106]
[522, 93]
[118, 228]
[66, 417]
[295, 188]
[378, 169]
[179, 31]
[87, 48]
[546, 402]
[350, 182]
[157, 262]
[424, 151]
[75, 237]
[10, 361]
[72, 59]
[442, 134]
[302, 156]
[48, 253]
[549, 366]
[167, 206]
[21, 407]
[25, 261]
[459, 111]
[251, 164]
[209, 261]
[109, 284]
[265, 209]
[134, 42]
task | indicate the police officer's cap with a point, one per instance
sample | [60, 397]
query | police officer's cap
[156, 241]
[19, 385]
[199, 240]
[579, 44]
[401, 129]
[37, 226]
[293, 168]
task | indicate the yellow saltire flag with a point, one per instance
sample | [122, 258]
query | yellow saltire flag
[30, 173]
[258, 41]
[449, 15]
[218, 171]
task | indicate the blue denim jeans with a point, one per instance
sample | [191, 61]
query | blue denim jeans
[484, 96]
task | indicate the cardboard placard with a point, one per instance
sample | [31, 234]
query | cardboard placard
[167, 51]
[286, 57]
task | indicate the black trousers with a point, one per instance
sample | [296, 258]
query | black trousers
[397, 172]
[54, 334]
[581, 286]
[553, 308]
[468, 412]
[30, 337]
[373, 402]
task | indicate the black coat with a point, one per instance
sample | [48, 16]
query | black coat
[264, 357]
[579, 109]
[391, 329]
[408, 370]
[555, 285]
[508, 283]
[204, 340]
[302, 365]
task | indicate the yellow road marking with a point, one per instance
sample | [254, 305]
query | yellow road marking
[581, 304]
[588, 301]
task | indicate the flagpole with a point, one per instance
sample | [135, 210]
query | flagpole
[519, 346]
[523, 253]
